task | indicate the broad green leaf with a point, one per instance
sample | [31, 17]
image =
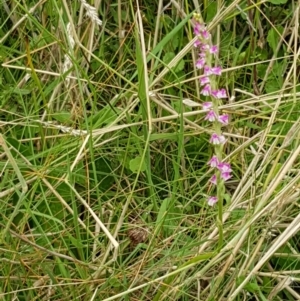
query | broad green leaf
[137, 164]
[211, 10]
[273, 37]
[162, 211]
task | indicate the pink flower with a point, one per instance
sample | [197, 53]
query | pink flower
[224, 119]
[214, 161]
[212, 200]
[224, 167]
[213, 180]
[207, 105]
[211, 116]
[214, 49]
[200, 63]
[197, 29]
[219, 93]
[216, 139]
[226, 175]
[207, 70]
[206, 91]
[197, 43]
[205, 34]
[216, 70]
[202, 54]
[204, 47]
[204, 80]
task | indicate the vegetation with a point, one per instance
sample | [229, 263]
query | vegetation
[104, 152]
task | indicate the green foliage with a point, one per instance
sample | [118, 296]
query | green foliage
[274, 36]
[137, 165]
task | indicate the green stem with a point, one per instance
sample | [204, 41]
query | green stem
[220, 193]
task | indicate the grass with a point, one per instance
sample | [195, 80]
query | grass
[104, 175]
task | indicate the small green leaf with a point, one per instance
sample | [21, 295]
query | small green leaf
[237, 214]
[252, 287]
[62, 117]
[179, 66]
[175, 42]
[137, 164]
[227, 198]
[241, 56]
[168, 57]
